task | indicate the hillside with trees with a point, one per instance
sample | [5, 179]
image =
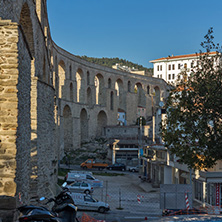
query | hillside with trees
[109, 62]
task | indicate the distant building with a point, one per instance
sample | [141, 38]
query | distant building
[141, 111]
[128, 69]
[170, 68]
[121, 119]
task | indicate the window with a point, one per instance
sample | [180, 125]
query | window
[161, 76]
[169, 76]
[173, 67]
[191, 65]
[84, 184]
[88, 177]
[88, 199]
[157, 76]
[185, 65]
[158, 68]
[179, 66]
[173, 76]
[169, 67]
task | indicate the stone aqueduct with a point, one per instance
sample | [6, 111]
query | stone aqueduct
[52, 100]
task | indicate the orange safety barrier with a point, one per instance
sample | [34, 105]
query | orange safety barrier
[210, 210]
[87, 218]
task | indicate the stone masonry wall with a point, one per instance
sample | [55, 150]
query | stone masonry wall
[8, 105]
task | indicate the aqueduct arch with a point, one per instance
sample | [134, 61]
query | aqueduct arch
[80, 86]
[157, 94]
[68, 128]
[62, 76]
[120, 93]
[101, 123]
[99, 85]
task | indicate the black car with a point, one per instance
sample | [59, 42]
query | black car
[117, 166]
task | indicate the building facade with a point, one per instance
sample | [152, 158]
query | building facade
[170, 68]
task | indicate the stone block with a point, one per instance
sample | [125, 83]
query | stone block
[7, 203]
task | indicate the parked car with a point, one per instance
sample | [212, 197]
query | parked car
[80, 187]
[117, 166]
[134, 169]
[86, 202]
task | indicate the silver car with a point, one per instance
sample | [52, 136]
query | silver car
[134, 169]
[80, 187]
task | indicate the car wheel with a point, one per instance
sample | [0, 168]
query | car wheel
[84, 168]
[102, 209]
[110, 168]
[133, 170]
[123, 169]
[87, 192]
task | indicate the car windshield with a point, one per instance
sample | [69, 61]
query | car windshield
[85, 185]
[75, 184]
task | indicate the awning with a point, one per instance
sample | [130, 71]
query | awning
[214, 180]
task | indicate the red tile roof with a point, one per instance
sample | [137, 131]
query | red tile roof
[181, 56]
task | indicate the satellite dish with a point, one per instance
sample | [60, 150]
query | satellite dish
[161, 104]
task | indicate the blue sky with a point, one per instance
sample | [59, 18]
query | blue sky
[135, 30]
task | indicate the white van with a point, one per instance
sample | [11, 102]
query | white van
[75, 176]
[87, 202]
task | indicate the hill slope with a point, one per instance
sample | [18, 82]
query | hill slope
[109, 62]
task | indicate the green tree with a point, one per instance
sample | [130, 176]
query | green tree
[193, 126]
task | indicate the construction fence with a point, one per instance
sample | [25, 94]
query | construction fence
[129, 198]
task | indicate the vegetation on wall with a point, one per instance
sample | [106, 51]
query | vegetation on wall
[109, 62]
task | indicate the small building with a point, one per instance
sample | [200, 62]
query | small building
[126, 142]
[121, 119]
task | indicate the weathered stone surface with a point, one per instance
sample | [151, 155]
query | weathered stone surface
[7, 202]
[10, 187]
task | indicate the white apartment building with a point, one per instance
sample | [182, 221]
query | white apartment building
[170, 68]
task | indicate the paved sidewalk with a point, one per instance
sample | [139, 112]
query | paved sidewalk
[147, 187]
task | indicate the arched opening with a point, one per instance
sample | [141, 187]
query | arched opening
[109, 83]
[111, 100]
[71, 92]
[79, 86]
[99, 85]
[84, 125]
[68, 128]
[139, 91]
[101, 123]
[129, 86]
[88, 79]
[70, 72]
[89, 97]
[157, 94]
[119, 89]
[62, 76]
[148, 90]
[55, 75]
